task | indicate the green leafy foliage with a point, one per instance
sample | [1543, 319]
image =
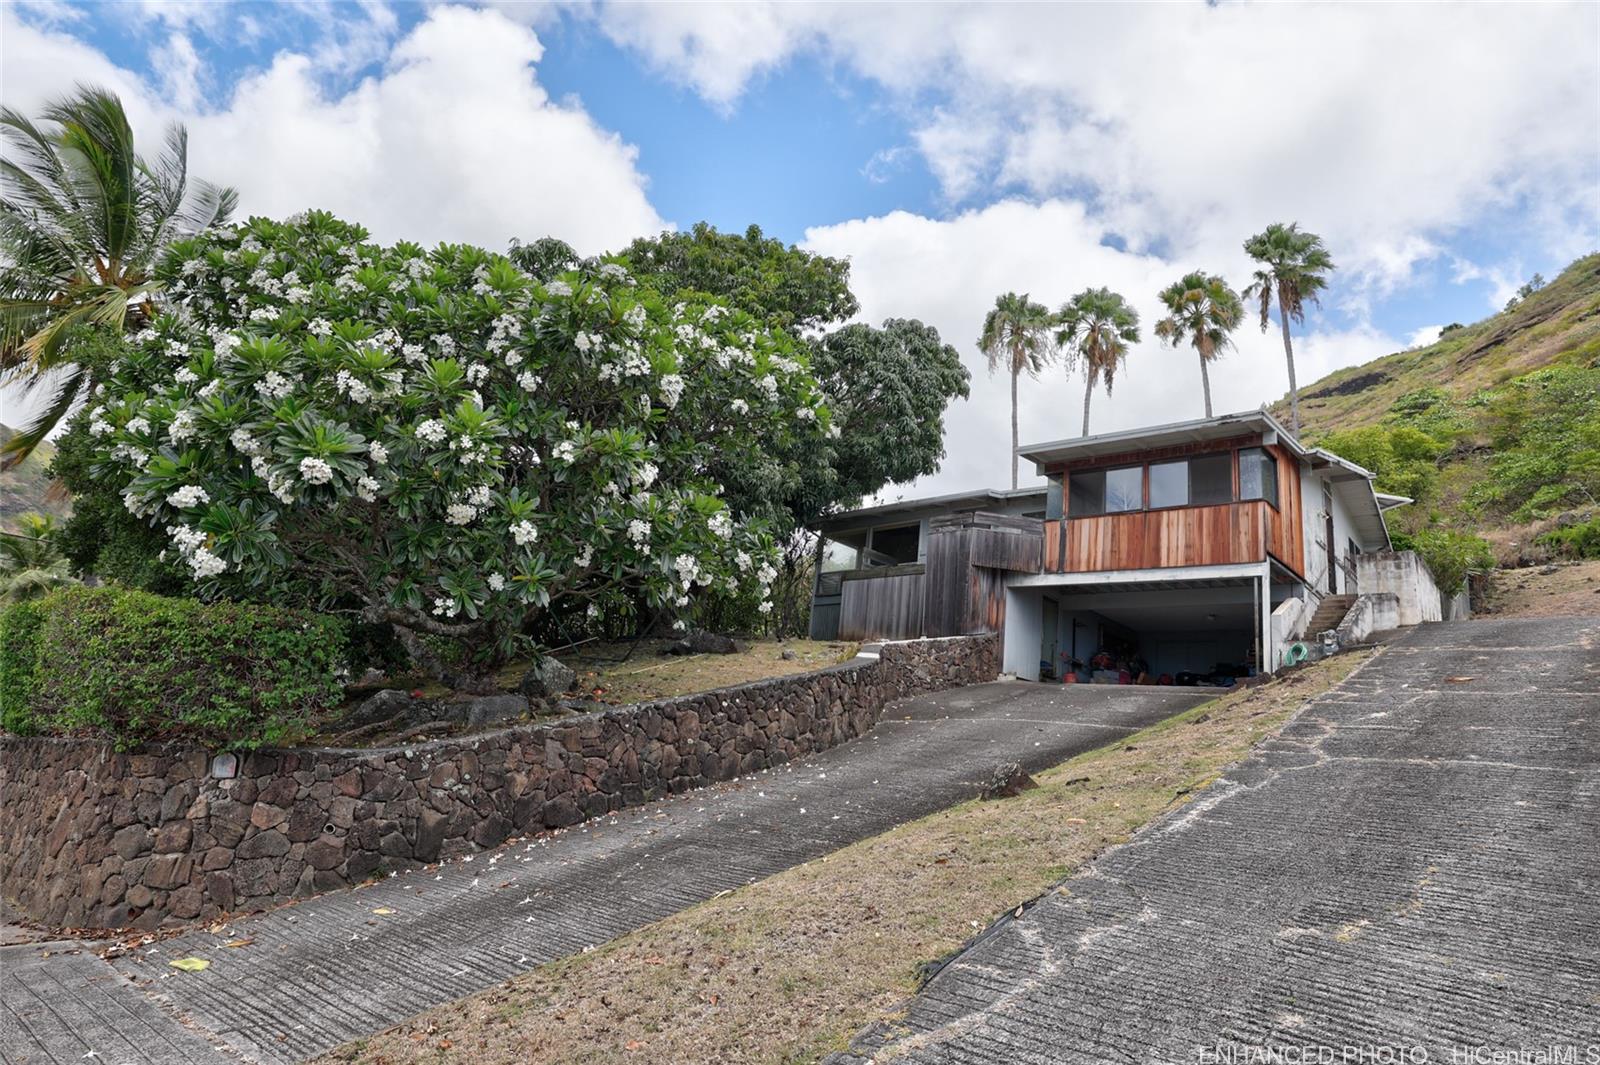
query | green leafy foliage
[1580, 540]
[1449, 553]
[1403, 458]
[774, 282]
[19, 665]
[133, 667]
[437, 440]
[1545, 429]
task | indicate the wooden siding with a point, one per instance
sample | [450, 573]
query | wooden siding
[882, 608]
[968, 559]
[1285, 540]
[1158, 539]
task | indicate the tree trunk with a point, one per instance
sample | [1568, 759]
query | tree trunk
[1013, 427]
[1205, 384]
[1288, 353]
[1088, 390]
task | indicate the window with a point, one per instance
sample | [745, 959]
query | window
[1124, 489]
[1211, 479]
[1052, 498]
[1105, 491]
[1169, 484]
[1258, 475]
[895, 546]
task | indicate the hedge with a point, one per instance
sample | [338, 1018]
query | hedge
[132, 668]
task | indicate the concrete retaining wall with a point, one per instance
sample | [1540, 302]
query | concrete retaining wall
[92, 837]
[1407, 577]
[1377, 612]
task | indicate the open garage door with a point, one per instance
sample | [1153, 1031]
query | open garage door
[1200, 632]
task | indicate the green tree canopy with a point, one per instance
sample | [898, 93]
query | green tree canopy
[1096, 327]
[438, 437]
[1202, 311]
[83, 216]
[1294, 271]
[768, 279]
[1017, 337]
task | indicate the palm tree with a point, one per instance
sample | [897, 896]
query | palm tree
[30, 562]
[1202, 310]
[83, 217]
[1295, 266]
[1096, 326]
[1016, 335]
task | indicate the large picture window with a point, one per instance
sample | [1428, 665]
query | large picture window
[1258, 475]
[1169, 484]
[1210, 479]
[1105, 492]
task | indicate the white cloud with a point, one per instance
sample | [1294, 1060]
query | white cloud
[179, 67]
[948, 273]
[1421, 338]
[454, 140]
[1379, 126]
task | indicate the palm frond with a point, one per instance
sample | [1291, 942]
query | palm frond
[67, 393]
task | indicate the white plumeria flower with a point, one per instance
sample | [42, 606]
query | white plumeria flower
[377, 453]
[185, 376]
[639, 531]
[432, 430]
[460, 513]
[528, 381]
[495, 581]
[138, 426]
[204, 564]
[671, 390]
[190, 495]
[315, 471]
[524, 533]
[367, 488]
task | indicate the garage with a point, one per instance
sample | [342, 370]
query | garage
[1206, 631]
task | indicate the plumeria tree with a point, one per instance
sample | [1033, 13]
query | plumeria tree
[439, 438]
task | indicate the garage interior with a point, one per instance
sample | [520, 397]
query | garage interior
[1193, 632]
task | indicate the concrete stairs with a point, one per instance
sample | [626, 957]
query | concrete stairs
[1330, 611]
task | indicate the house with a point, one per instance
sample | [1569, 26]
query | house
[1180, 552]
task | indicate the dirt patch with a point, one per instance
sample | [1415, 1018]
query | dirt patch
[650, 673]
[790, 967]
[1563, 589]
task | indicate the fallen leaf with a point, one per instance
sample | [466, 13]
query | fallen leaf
[239, 942]
[1076, 821]
[1458, 680]
[383, 911]
[190, 965]
[634, 1044]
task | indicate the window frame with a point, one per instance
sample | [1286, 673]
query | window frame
[1104, 472]
[1270, 462]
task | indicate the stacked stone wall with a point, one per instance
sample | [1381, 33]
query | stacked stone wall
[93, 837]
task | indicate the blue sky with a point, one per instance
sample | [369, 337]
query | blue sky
[951, 152]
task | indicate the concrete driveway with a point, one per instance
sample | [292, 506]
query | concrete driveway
[1415, 864]
[349, 964]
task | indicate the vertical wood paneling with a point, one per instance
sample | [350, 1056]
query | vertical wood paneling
[1285, 538]
[1160, 539]
[882, 608]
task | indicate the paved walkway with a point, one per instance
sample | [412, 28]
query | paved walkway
[1415, 863]
[352, 963]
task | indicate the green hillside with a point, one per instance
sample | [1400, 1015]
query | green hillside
[1494, 429]
[27, 488]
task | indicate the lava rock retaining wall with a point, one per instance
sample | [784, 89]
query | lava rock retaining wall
[92, 837]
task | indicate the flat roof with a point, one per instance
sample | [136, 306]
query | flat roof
[907, 507]
[1171, 434]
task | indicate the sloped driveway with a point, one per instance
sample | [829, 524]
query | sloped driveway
[1413, 867]
[350, 964]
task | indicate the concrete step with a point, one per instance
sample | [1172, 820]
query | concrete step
[1330, 611]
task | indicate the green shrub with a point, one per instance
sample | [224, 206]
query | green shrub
[19, 656]
[1575, 541]
[1449, 554]
[134, 667]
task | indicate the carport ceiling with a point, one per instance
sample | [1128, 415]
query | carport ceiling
[1185, 609]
